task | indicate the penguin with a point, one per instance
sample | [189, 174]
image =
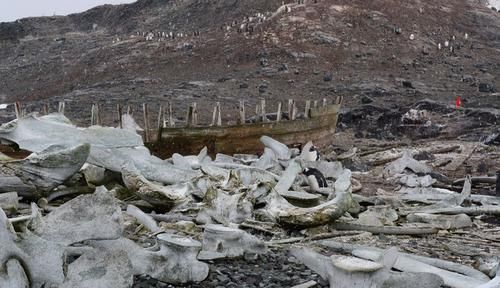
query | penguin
[315, 178]
[312, 154]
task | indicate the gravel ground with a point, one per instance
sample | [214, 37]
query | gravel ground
[274, 269]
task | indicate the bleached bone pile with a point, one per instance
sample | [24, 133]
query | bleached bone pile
[164, 218]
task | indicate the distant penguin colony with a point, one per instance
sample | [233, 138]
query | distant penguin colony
[247, 25]
[315, 178]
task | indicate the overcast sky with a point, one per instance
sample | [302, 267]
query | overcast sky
[11, 10]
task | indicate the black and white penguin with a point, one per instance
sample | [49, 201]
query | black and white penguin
[312, 154]
[315, 178]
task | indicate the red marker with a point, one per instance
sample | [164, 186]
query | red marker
[458, 102]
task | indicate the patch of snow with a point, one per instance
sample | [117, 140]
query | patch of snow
[3, 106]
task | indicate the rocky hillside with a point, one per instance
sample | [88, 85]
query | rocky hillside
[384, 51]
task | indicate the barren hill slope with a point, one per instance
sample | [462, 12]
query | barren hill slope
[226, 50]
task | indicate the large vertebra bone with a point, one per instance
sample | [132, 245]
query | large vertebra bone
[230, 242]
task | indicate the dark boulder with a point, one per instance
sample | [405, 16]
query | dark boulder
[487, 88]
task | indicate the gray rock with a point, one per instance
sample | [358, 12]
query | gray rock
[324, 38]
[366, 100]
[328, 76]
[487, 88]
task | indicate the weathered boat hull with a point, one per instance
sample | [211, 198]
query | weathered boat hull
[319, 128]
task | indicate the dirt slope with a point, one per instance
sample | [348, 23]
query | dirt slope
[358, 49]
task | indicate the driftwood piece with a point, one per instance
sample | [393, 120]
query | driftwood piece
[428, 197]
[314, 237]
[471, 211]
[36, 175]
[392, 230]
[477, 179]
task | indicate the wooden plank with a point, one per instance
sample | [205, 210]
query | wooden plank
[98, 115]
[171, 121]
[214, 116]
[219, 119]
[263, 116]
[195, 114]
[307, 111]
[92, 115]
[17, 108]
[278, 113]
[242, 117]
[146, 121]
[119, 110]
[159, 124]
[62, 107]
[294, 111]
[45, 109]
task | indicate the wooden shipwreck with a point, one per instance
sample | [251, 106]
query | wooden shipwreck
[317, 124]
